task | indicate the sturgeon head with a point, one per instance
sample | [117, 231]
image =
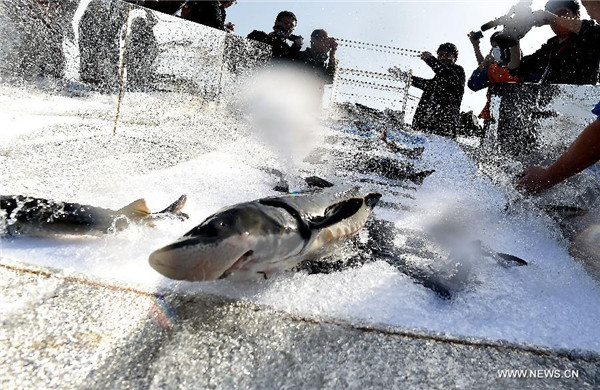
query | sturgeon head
[224, 241]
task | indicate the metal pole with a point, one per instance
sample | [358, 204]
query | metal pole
[122, 75]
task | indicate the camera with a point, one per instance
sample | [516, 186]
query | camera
[517, 22]
[478, 35]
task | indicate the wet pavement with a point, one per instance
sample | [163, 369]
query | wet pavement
[66, 331]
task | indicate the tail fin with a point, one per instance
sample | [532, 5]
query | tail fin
[175, 208]
[136, 209]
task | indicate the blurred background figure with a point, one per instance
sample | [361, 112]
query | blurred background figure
[100, 30]
[209, 13]
[142, 50]
[285, 24]
[46, 25]
[320, 56]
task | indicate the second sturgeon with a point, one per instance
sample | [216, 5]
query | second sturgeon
[258, 238]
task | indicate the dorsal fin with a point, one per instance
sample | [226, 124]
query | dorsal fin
[136, 208]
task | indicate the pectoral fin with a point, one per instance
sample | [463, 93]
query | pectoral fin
[136, 209]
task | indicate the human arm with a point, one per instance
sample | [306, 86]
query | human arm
[476, 47]
[546, 18]
[445, 73]
[515, 56]
[530, 67]
[584, 152]
[419, 82]
[593, 8]
[333, 45]
[332, 62]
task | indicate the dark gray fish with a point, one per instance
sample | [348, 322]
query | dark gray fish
[30, 216]
[255, 239]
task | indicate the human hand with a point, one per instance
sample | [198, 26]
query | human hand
[473, 38]
[425, 55]
[534, 179]
[593, 9]
[542, 18]
[333, 45]
[489, 60]
[298, 41]
[230, 27]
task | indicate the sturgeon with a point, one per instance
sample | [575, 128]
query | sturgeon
[43, 217]
[259, 238]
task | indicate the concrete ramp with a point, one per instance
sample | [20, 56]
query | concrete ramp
[67, 331]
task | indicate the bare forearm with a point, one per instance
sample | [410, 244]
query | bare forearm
[584, 152]
[478, 54]
[515, 57]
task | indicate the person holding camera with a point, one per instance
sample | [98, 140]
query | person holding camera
[320, 56]
[571, 57]
[491, 70]
[285, 23]
[584, 152]
[438, 111]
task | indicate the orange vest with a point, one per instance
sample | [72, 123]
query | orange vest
[496, 75]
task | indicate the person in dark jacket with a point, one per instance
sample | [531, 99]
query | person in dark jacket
[571, 57]
[285, 23]
[438, 111]
[208, 13]
[320, 56]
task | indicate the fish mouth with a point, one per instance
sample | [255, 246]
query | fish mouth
[194, 259]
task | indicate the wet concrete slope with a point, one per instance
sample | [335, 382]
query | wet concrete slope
[61, 331]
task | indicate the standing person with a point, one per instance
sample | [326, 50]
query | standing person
[571, 57]
[285, 23]
[320, 56]
[438, 111]
[100, 28]
[492, 70]
[142, 50]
